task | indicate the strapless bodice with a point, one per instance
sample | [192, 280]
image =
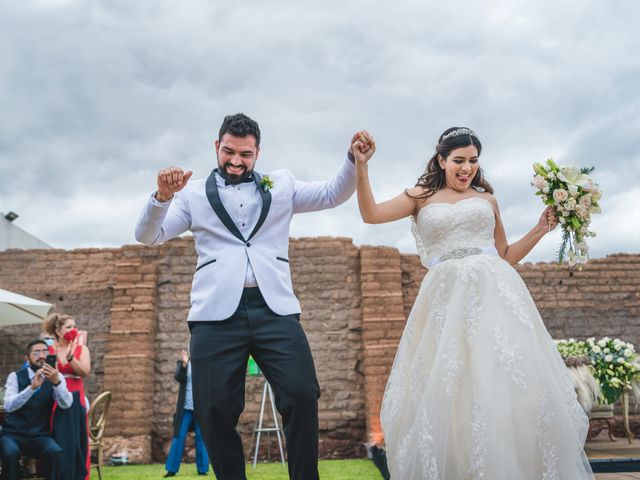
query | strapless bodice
[442, 228]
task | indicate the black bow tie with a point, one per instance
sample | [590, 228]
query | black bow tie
[248, 179]
[225, 177]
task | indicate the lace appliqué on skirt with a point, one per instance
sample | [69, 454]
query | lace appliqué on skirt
[509, 357]
[452, 368]
[547, 449]
[478, 460]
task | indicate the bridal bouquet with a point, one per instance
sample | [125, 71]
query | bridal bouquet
[574, 196]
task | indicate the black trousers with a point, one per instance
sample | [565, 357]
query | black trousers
[42, 447]
[219, 354]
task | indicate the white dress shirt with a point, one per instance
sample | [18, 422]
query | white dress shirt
[244, 204]
[14, 400]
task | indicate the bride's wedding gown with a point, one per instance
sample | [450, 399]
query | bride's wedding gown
[477, 389]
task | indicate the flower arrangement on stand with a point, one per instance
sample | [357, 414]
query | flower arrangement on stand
[574, 196]
[611, 363]
[616, 367]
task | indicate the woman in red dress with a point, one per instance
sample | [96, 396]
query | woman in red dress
[74, 361]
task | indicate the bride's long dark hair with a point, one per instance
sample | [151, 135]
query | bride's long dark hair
[434, 179]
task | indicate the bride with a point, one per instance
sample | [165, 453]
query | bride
[477, 388]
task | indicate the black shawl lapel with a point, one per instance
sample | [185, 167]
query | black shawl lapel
[266, 204]
[214, 199]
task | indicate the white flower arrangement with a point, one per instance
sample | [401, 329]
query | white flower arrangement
[613, 371]
[574, 197]
[615, 364]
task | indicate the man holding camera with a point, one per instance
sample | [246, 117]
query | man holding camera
[29, 397]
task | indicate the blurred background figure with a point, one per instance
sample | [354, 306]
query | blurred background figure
[30, 395]
[184, 421]
[70, 427]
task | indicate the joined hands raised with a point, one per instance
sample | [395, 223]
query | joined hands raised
[362, 147]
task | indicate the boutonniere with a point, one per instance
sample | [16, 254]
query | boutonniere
[266, 183]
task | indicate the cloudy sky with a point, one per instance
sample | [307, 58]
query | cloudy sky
[97, 96]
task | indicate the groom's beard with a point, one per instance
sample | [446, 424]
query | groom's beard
[234, 178]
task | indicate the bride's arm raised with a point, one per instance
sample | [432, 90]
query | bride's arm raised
[518, 250]
[371, 212]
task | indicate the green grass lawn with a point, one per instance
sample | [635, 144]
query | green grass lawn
[329, 470]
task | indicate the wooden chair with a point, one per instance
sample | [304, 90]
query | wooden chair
[97, 420]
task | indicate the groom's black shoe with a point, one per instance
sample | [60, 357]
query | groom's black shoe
[379, 457]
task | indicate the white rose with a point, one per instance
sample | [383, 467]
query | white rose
[596, 349]
[606, 350]
[608, 358]
[570, 204]
[539, 182]
[582, 211]
[560, 195]
[585, 201]
[628, 353]
[595, 209]
[617, 346]
[546, 188]
[602, 343]
[620, 360]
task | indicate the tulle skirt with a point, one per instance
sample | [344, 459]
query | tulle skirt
[477, 388]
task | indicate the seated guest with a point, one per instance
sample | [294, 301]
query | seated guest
[29, 397]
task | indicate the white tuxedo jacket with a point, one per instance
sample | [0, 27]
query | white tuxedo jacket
[223, 252]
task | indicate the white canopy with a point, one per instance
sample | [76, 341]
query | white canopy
[17, 309]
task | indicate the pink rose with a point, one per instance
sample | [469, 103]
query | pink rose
[560, 195]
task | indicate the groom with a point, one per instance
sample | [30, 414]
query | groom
[242, 300]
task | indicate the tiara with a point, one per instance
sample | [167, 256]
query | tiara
[459, 131]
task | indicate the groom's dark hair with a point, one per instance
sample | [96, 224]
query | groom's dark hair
[239, 125]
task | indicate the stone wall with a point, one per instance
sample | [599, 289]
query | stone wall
[134, 300]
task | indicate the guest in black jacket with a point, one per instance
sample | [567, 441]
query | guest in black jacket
[184, 421]
[29, 397]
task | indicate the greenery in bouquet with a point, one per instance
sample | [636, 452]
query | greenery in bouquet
[574, 197]
[614, 362]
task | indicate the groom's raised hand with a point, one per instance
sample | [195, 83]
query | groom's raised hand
[171, 180]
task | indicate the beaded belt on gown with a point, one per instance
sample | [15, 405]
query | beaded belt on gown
[462, 252]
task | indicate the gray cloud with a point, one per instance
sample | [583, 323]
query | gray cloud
[99, 95]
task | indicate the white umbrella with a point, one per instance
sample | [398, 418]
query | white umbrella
[17, 309]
